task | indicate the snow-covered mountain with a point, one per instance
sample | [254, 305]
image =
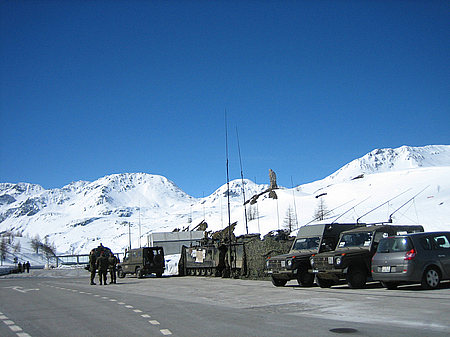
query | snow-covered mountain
[82, 214]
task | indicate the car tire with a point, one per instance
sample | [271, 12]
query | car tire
[389, 285]
[159, 274]
[356, 278]
[305, 279]
[324, 283]
[278, 282]
[120, 273]
[139, 273]
[431, 278]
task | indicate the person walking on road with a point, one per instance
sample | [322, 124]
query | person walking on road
[102, 265]
[92, 265]
[27, 266]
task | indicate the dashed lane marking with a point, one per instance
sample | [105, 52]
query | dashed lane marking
[12, 326]
[15, 328]
[165, 332]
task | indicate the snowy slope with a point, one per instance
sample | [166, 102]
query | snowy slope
[82, 214]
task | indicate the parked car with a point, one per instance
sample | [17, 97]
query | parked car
[142, 261]
[311, 239]
[351, 260]
[413, 258]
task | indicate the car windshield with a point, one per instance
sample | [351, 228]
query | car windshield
[392, 245]
[306, 243]
[356, 240]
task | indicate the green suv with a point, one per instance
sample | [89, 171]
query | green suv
[351, 260]
[142, 261]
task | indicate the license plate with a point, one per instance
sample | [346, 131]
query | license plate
[386, 269]
[283, 264]
[330, 260]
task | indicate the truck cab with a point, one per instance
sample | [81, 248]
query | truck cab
[351, 260]
[311, 239]
[142, 261]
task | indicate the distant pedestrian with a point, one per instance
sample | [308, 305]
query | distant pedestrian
[92, 265]
[19, 267]
[102, 266]
[112, 265]
[27, 266]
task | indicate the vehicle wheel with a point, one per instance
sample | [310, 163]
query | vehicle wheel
[139, 273]
[159, 274]
[389, 285]
[431, 278]
[120, 273]
[278, 282]
[305, 279]
[324, 283]
[356, 278]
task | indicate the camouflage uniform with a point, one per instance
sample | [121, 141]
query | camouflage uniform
[112, 264]
[102, 265]
[92, 265]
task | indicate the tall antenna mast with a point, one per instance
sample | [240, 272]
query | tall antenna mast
[295, 206]
[242, 180]
[228, 194]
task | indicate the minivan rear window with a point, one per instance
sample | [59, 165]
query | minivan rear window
[394, 244]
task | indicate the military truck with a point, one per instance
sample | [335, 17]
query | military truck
[97, 252]
[211, 259]
[310, 239]
[352, 258]
[142, 261]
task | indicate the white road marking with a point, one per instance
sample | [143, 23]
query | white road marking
[113, 300]
[8, 322]
[121, 303]
[129, 306]
[146, 316]
[15, 328]
[154, 322]
[137, 310]
[3, 317]
[165, 332]
[23, 334]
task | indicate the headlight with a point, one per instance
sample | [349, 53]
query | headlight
[267, 263]
[338, 260]
[289, 263]
[311, 260]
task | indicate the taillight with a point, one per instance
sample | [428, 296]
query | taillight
[410, 255]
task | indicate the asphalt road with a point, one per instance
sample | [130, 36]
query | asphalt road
[62, 303]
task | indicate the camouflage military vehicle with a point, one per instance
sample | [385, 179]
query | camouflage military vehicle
[141, 262]
[352, 258]
[212, 259]
[310, 239]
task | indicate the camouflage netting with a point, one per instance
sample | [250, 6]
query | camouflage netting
[257, 251]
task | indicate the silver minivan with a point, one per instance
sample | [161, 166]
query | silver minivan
[413, 258]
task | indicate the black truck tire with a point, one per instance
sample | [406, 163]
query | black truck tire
[356, 278]
[304, 278]
[278, 282]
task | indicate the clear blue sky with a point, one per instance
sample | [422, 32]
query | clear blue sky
[91, 88]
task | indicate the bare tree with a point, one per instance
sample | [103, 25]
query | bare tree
[290, 221]
[4, 249]
[321, 210]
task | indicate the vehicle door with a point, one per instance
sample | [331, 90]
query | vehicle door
[441, 246]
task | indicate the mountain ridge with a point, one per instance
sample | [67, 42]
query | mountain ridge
[82, 214]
